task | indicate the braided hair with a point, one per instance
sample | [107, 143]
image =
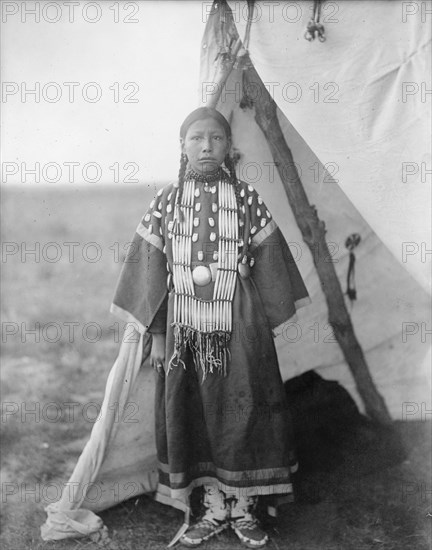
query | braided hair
[180, 185]
[229, 163]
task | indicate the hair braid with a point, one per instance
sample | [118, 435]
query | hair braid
[229, 163]
[180, 184]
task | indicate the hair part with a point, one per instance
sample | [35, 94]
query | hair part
[201, 114]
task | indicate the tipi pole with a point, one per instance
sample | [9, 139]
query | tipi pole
[313, 231]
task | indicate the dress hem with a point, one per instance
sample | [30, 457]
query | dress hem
[179, 498]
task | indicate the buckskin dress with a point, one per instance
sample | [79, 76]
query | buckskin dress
[233, 430]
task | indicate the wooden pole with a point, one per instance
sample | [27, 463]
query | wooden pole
[313, 231]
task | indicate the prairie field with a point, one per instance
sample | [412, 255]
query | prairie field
[62, 250]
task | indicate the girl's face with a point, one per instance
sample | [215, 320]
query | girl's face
[205, 145]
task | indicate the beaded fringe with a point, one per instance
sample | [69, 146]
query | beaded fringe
[209, 350]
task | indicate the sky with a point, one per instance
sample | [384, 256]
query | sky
[112, 82]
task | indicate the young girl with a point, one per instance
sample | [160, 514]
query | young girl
[210, 279]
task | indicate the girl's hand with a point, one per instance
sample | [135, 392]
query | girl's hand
[157, 356]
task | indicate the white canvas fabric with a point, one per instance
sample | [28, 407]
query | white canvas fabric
[119, 460]
[362, 102]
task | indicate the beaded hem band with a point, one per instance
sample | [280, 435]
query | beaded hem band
[204, 326]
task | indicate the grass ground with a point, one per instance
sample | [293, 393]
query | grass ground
[363, 503]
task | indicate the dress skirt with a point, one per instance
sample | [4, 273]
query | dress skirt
[235, 430]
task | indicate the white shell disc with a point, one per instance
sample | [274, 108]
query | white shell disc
[147, 217]
[211, 222]
[198, 206]
[212, 236]
[201, 275]
[196, 222]
[200, 255]
[157, 214]
[214, 207]
[195, 237]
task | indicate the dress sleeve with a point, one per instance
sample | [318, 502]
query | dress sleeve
[159, 323]
[141, 293]
[275, 273]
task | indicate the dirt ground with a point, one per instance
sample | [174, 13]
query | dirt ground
[364, 503]
[368, 500]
